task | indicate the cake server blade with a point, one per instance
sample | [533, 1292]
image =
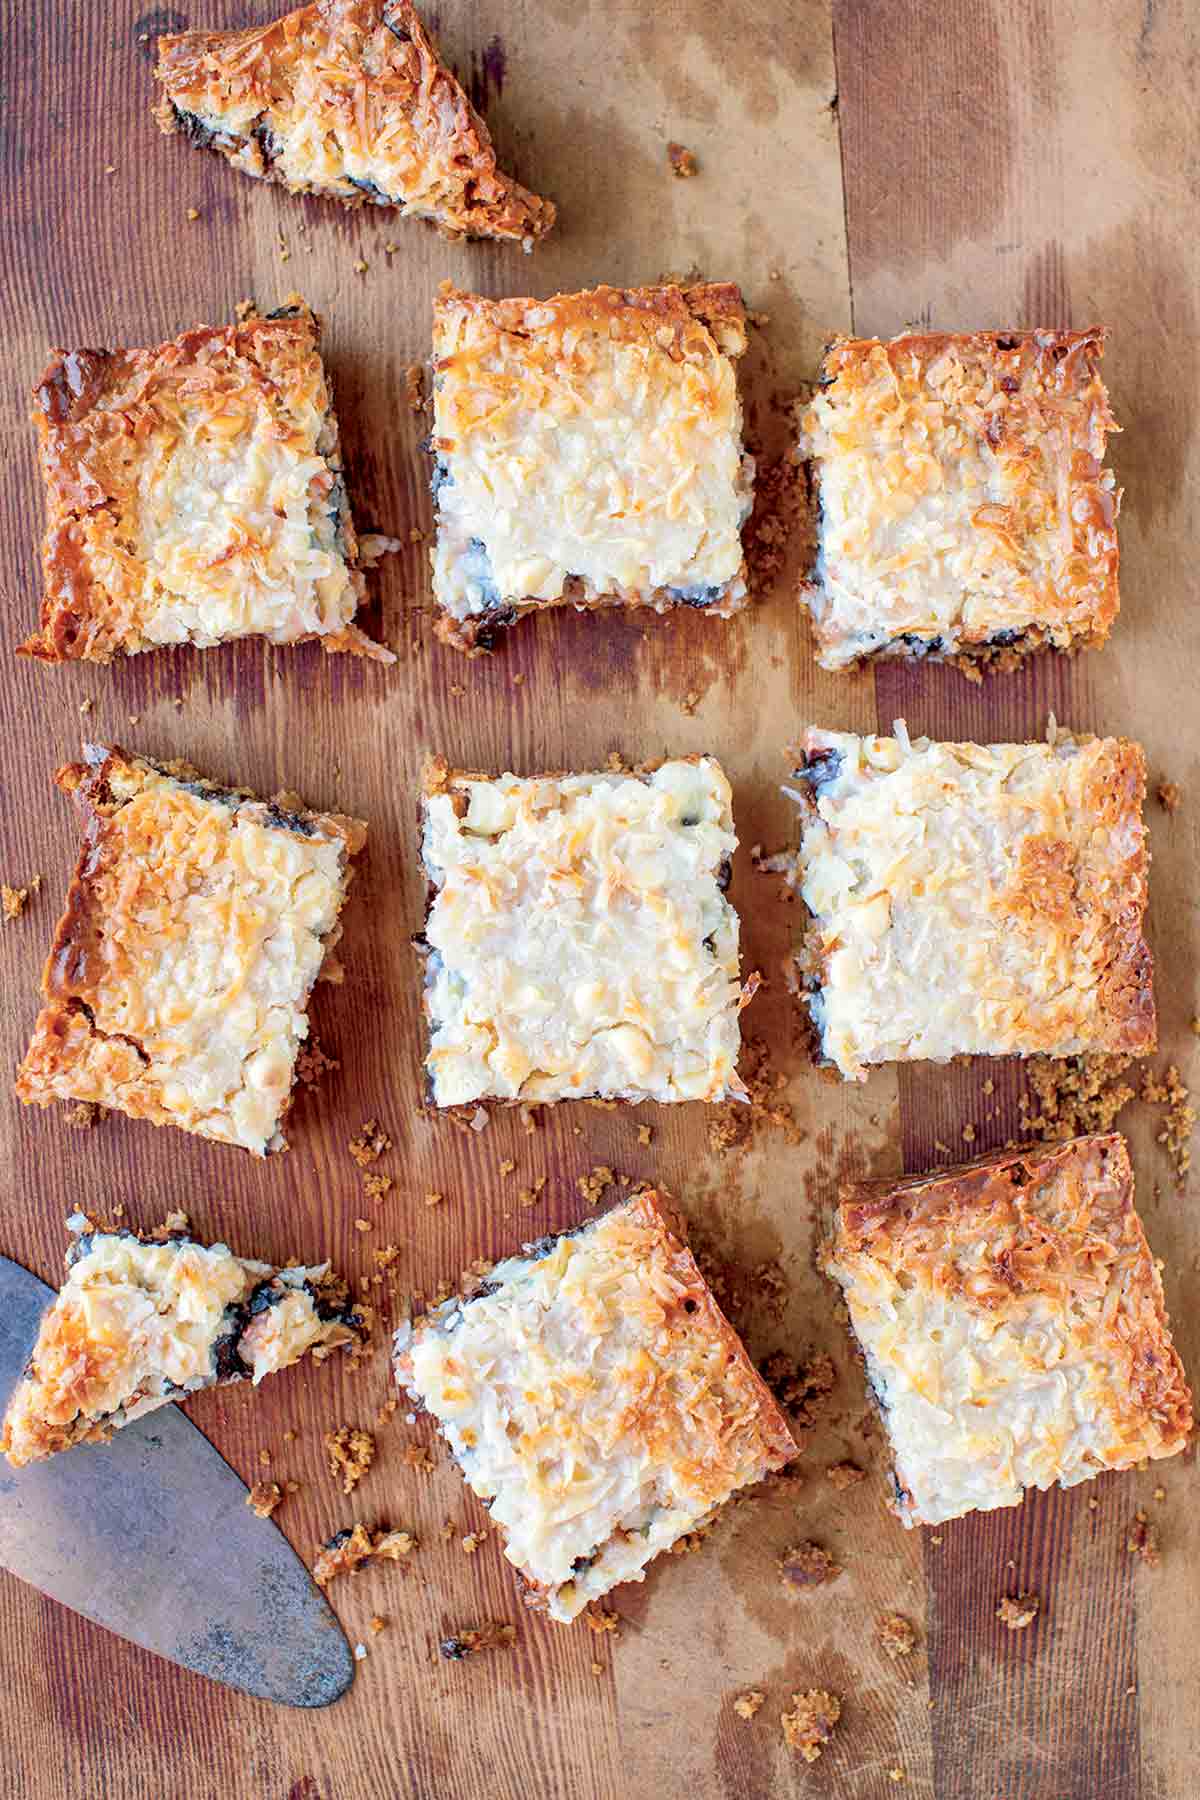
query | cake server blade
[150, 1536]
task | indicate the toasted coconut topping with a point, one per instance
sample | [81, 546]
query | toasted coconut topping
[588, 453]
[1013, 1324]
[965, 509]
[348, 98]
[973, 899]
[139, 1323]
[579, 940]
[597, 1399]
[195, 495]
[195, 927]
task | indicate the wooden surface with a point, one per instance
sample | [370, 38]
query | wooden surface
[1001, 165]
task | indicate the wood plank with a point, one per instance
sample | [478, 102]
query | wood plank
[1024, 166]
[583, 99]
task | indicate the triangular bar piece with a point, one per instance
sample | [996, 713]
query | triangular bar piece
[142, 1321]
[347, 98]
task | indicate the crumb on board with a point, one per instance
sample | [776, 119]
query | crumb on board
[593, 1185]
[780, 517]
[1169, 795]
[810, 1724]
[807, 1565]
[414, 387]
[82, 1115]
[843, 1475]
[346, 1551]
[747, 1704]
[531, 1195]
[434, 1199]
[471, 1542]
[644, 1134]
[13, 900]
[371, 1143]
[349, 1452]
[264, 1497]
[683, 162]
[803, 1389]
[896, 1635]
[312, 1063]
[376, 1623]
[601, 1619]
[498, 1634]
[376, 1186]
[192, 214]
[507, 1165]
[1179, 1117]
[735, 1122]
[363, 1225]
[1142, 1540]
[1016, 1611]
[418, 1457]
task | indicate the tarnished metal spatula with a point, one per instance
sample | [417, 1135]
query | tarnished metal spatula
[150, 1536]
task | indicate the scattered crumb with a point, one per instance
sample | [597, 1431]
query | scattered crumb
[645, 1134]
[747, 1704]
[85, 706]
[802, 1389]
[377, 1624]
[264, 1457]
[592, 1186]
[349, 1452]
[1018, 1610]
[780, 517]
[601, 1620]
[597, 1668]
[807, 1566]
[414, 387]
[13, 900]
[312, 1063]
[1077, 1094]
[734, 1122]
[1142, 1540]
[363, 1225]
[936, 1542]
[347, 1550]
[82, 1115]
[384, 1415]
[896, 1774]
[507, 1166]
[1169, 795]
[1160, 1494]
[192, 214]
[896, 1635]
[968, 1134]
[264, 1497]
[496, 1635]
[361, 266]
[843, 1475]
[418, 1457]
[809, 1726]
[371, 1142]
[373, 546]
[689, 703]
[683, 162]
[472, 1541]
[531, 1196]
[1180, 1118]
[375, 1186]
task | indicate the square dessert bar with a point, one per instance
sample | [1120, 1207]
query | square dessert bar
[973, 899]
[197, 922]
[142, 1321]
[194, 495]
[588, 454]
[1012, 1321]
[579, 942]
[965, 509]
[350, 99]
[596, 1399]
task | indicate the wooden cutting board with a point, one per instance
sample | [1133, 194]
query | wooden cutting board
[1002, 165]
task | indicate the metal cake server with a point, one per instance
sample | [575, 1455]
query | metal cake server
[150, 1536]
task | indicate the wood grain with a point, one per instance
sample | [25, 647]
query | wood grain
[583, 99]
[1020, 165]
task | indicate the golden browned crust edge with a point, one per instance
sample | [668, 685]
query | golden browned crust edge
[494, 204]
